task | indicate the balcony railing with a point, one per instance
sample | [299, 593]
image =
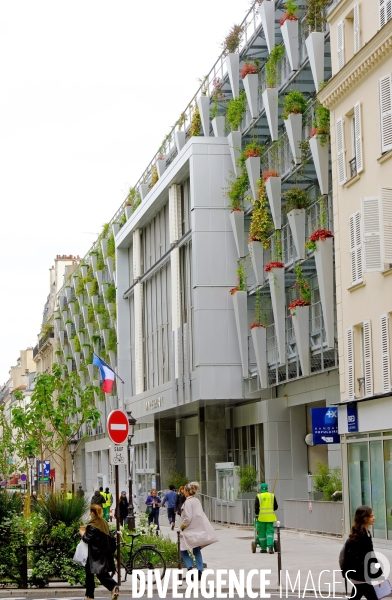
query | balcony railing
[321, 357]
[42, 342]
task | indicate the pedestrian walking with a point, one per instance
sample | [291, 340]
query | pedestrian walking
[69, 495]
[358, 546]
[123, 508]
[265, 505]
[180, 500]
[196, 530]
[108, 500]
[80, 492]
[153, 505]
[170, 497]
[100, 560]
[97, 498]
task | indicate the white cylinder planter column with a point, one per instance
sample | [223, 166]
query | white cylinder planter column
[203, 104]
[297, 220]
[300, 318]
[251, 85]
[237, 220]
[320, 156]
[218, 126]
[324, 266]
[270, 101]
[290, 36]
[233, 70]
[267, 16]
[293, 125]
[240, 303]
[179, 140]
[235, 142]
[144, 188]
[259, 339]
[315, 48]
[278, 300]
[161, 167]
[257, 257]
[253, 165]
[273, 188]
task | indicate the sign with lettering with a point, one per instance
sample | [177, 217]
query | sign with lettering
[118, 454]
[156, 403]
[352, 417]
[325, 425]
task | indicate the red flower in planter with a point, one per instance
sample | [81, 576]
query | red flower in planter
[270, 173]
[298, 302]
[237, 210]
[313, 131]
[233, 290]
[320, 234]
[252, 152]
[256, 325]
[273, 265]
[287, 17]
[248, 69]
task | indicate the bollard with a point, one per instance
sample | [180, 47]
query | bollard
[179, 565]
[277, 525]
[24, 568]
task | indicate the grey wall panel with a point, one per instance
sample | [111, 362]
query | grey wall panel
[217, 181]
[200, 188]
[202, 249]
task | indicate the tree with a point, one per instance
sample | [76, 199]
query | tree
[7, 447]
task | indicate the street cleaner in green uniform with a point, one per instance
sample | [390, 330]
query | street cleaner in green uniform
[265, 505]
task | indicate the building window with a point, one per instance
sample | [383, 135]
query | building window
[385, 8]
[356, 248]
[385, 86]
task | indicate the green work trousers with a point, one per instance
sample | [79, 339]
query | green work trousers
[106, 512]
[265, 534]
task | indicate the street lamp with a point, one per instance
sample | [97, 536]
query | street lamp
[131, 514]
[72, 449]
[31, 461]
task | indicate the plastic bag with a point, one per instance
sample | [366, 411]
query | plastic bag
[81, 553]
[383, 589]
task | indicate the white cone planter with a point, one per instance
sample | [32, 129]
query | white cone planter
[99, 275]
[289, 31]
[278, 300]
[115, 228]
[218, 126]
[270, 101]
[61, 337]
[68, 292]
[293, 125]
[267, 16]
[240, 302]
[84, 269]
[300, 318]
[259, 338]
[90, 329]
[324, 266]
[273, 187]
[251, 85]
[256, 254]
[76, 320]
[144, 188]
[161, 167]
[315, 48]
[68, 328]
[94, 301]
[297, 219]
[104, 247]
[85, 312]
[128, 211]
[235, 142]
[233, 70]
[86, 351]
[320, 159]
[237, 219]
[110, 265]
[105, 334]
[204, 108]
[253, 165]
[77, 359]
[69, 366]
[64, 315]
[94, 260]
[90, 369]
[179, 140]
[112, 359]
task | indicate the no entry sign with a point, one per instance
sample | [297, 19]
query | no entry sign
[118, 426]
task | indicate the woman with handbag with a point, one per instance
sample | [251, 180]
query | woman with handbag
[100, 560]
[357, 549]
[153, 503]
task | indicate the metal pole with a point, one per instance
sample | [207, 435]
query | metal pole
[73, 472]
[131, 514]
[24, 568]
[118, 536]
[179, 564]
[279, 552]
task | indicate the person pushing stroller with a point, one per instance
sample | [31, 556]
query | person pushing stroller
[265, 505]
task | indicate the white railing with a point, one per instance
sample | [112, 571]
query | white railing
[236, 512]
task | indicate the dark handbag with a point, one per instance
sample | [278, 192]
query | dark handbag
[148, 510]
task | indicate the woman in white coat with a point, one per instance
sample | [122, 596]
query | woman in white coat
[197, 531]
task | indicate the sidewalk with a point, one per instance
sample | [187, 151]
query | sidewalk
[300, 552]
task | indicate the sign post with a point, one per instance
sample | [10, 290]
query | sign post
[118, 429]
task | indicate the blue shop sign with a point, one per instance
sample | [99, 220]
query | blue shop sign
[325, 425]
[46, 473]
[352, 417]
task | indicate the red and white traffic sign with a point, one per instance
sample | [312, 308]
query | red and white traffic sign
[118, 426]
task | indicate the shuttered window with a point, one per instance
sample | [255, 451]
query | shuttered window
[358, 137]
[340, 151]
[385, 359]
[367, 358]
[371, 231]
[385, 8]
[356, 248]
[386, 112]
[357, 42]
[340, 35]
[350, 362]
[386, 221]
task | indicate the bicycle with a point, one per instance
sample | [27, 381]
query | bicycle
[146, 558]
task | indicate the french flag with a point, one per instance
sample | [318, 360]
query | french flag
[107, 374]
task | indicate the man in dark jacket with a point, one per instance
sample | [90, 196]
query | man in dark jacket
[97, 498]
[123, 507]
[170, 497]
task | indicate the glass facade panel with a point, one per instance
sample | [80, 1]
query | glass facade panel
[358, 476]
[377, 483]
[388, 484]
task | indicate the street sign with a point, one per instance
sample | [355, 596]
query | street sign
[46, 474]
[118, 426]
[118, 454]
[23, 477]
[325, 425]
[352, 418]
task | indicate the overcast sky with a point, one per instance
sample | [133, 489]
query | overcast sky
[88, 90]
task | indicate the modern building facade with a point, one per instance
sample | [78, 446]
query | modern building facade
[359, 98]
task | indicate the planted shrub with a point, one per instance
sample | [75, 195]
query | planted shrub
[235, 111]
[294, 103]
[271, 66]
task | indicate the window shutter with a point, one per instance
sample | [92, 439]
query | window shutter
[386, 207]
[358, 137]
[340, 150]
[350, 363]
[340, 34]
[386, 112]
[385, 360]
[357, 43]
[367, 356]
[356, 248]
[371, 229]
[385, 8]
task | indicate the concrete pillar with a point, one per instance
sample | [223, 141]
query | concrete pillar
[215, 445]
[166, 448]
[123, 326]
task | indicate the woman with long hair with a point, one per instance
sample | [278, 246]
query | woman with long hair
[100, 561]
[180, 500]
[358, 546]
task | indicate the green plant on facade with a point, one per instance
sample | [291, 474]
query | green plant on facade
[296, 198]
[110, 294]
[195, 126]
[302, 285]
[247, 478]
[326, 480]
[261, 225]
[277, 250]
[321, 123]
[154, 175]
[111, 247]
[177, 479]
[181, 121]
[216, 96]
[233, 39]
[316, 16]
[76, 344]
[112, 345]
[94, 288]
[235, 111]
[253, 149]
[241, 278]
[237, 191]
[271, 66]
[294, 103]
[90, 314]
